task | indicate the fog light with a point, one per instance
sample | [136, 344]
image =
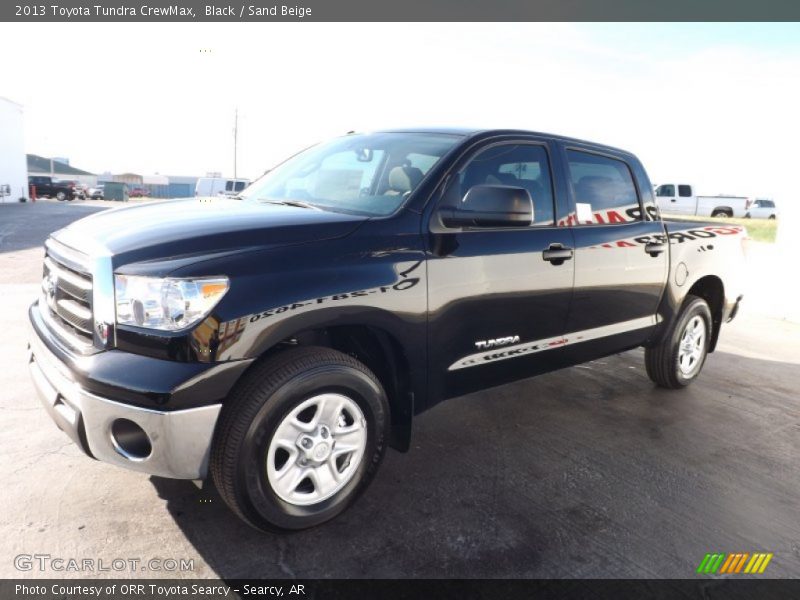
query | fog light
[130, 440]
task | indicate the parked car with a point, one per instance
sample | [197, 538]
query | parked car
[47, 187]
[139, 192]
[96, 192]
[78, 188]
[219, 186]
[762, 208]
[280, 342]
[680, 199]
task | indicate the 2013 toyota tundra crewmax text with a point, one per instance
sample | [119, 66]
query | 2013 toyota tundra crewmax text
[278, 342]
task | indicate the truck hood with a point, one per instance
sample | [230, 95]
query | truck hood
[163, 230]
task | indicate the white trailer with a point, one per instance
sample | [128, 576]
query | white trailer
[219, 186]
[13, 164]
[680, 199]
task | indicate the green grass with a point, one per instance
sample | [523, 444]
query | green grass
[760, 230]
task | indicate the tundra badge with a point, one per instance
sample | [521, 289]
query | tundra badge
[503, 341]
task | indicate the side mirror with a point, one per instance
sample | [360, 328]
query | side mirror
[491, 206]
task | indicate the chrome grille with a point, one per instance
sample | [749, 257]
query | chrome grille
[67, 300]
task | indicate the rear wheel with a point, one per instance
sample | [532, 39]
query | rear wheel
[300, 439]
[678, 359]
[61, 196]
[721, 214]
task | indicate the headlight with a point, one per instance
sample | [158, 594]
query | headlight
[166, 304]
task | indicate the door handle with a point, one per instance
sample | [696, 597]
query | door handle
[556, 254]
[655, 248]
[672, 200]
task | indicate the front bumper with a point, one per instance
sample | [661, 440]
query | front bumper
[179, 441]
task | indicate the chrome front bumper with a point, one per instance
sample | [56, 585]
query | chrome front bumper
[180, 441]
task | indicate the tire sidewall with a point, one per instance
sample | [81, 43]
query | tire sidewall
[695, 307]
[257, 497]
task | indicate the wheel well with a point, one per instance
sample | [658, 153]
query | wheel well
[710, 289]
[724, 209]
[382, 354]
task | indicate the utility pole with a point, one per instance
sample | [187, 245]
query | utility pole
[235, 139]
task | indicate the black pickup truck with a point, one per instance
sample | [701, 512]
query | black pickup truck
[278, 342]
[47, 187]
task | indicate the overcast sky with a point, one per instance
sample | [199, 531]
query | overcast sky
[710, 104]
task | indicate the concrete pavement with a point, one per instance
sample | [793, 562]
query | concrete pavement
[587, 472]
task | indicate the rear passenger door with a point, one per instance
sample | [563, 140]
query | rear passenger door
[621, 253]
[687, 205]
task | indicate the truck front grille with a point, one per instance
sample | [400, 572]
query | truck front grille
[66, 300]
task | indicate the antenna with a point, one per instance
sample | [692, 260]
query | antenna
[235, 139]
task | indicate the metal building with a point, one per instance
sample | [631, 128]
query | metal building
[13, 170]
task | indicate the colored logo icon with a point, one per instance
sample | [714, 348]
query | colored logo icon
[737, 562]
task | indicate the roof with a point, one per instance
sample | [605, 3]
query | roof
[478, 133]
[40, 164]
[155, 180]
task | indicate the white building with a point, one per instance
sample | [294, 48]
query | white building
[13, 166]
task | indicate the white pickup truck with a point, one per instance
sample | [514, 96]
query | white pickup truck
[762, 208]
[680, 199]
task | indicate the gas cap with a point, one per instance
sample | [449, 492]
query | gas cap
[681, 274]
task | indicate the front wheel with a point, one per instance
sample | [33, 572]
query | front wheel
[300, 439]
[678, 359]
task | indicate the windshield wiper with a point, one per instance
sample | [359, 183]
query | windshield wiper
[297, 203]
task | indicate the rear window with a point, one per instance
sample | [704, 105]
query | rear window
[603, 188]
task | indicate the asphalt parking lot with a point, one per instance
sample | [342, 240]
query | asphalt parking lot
[587, 472]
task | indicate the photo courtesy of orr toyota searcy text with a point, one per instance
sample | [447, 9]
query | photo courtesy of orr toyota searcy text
[134, 590]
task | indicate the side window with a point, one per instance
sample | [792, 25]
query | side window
[603, 188]
[520, 165]
[229, 186]
[666, 190]
[239, 186]
[684, 191]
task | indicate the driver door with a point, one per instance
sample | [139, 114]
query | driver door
[497, 304]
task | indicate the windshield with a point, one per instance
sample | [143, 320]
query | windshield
[370, 174]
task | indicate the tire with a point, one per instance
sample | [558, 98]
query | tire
[671, 364]
[747, 216]
[720, 214]
[772, 217]
[61, 196]
[271, 461]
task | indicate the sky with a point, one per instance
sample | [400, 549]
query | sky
[710, 104]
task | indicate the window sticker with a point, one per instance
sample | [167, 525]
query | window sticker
[584, 212]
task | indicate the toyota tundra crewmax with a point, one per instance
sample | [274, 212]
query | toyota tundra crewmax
[278, 342]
